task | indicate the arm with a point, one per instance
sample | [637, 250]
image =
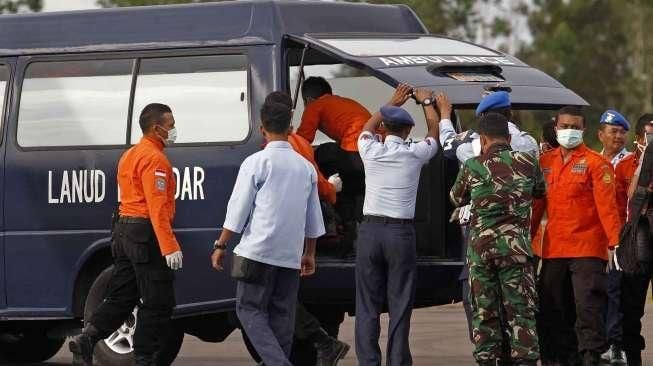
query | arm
[522, 141]
[605, 201]
[310, 121]
[156, 176]
[460, 194]
[308, 259]
[430, 113]
[539, 189]
[400, 96]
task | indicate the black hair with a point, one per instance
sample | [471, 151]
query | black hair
[549, 134]
[494, 125]
[275, 117]
[640, 127]
[396, 128]
[315, 87]
[152, 113]
[572, 111]
[506, 112]
[279, 97]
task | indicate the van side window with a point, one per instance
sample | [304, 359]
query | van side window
[207, 95]
[75, 103]
[4, 79]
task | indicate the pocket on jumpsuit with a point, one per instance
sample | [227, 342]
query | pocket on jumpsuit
[137, 246]
[159, 291]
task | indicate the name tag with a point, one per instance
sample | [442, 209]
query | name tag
[579, 168]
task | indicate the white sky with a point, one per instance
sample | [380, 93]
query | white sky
[57, 5]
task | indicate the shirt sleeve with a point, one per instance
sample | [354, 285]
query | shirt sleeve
[366, 142]
[522, 141]
[447, 132]
[603, 183]
[156, 176]
[425, 150]
[242, 198]
[314, 222]
[460, 193]
[455, 146]
[310, 122]
[539, 190]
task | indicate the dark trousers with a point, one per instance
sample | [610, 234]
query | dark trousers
[266, 311]
[306, 325]
[332, 159]
[572, 299]
[385, 274]
[633, 300]
[614, 315]
[139, 273]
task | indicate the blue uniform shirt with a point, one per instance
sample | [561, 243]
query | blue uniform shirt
[392, 173]
[275, 205]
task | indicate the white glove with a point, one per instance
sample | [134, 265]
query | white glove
[174, 260]
[616, 260]
[464, 214]
[336, 182]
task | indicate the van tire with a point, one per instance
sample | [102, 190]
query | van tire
[104, 355]
[30, 345]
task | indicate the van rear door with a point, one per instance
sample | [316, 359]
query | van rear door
[464, 70]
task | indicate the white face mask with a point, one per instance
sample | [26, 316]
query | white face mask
[172, 137]
[569, 138]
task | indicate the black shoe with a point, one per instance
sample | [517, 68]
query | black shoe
[618, 356]
[525, 363]
[329, 353]
[486, 362]
[502, 362]
[634, 358]
[81, 346]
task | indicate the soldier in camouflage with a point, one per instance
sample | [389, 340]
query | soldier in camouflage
[500, 184]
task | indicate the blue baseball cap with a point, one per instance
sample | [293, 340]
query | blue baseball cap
[613, 117]
[496, 100]
[397, 115]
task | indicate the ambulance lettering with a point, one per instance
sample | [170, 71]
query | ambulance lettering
[421, 60]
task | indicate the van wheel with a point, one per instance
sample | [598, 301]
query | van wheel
[28, 345]
[117, 349]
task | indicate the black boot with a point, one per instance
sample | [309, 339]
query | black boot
[144, 360]
[329, 349]
[591, 358]
[634, 358]
[81, 346]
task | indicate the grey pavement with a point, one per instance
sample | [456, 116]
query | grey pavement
[438, 337]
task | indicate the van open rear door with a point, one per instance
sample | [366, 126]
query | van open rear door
[464, 70]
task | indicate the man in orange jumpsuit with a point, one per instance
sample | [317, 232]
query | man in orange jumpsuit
[634, 287]
[583, 222]
[144, 248]
[341, 119]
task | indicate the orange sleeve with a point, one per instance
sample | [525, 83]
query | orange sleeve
[310, 121]
[326, 190]
[156, 176]
[605, 199]
[539, 206]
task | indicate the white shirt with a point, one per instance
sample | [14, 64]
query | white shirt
[392, 171]
[467, 145]
[618, 156]
[275, 200]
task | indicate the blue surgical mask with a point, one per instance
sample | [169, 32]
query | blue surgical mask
[569, 138]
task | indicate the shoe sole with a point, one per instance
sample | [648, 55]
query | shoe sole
[78, 358]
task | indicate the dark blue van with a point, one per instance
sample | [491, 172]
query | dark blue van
[73, 84]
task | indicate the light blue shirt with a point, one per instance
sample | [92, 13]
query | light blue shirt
[275, 205]
[392, 171]
[467, 145]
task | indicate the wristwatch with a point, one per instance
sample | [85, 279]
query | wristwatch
[426, 102]
[217, 245]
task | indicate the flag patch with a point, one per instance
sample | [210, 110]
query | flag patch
[160, 173]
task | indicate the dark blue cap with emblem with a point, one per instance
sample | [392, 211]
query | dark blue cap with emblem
[392, 114]
[613, 117]
[496, 100]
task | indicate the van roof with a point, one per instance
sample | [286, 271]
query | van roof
[195, 25]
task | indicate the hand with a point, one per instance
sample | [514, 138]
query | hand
[308, 265]
[455, 215]
[465, 214]
[401, 95]
[444, 105]
[422, 93]
[174, 260]
[336, 182]
[217, 259]
[611, 256]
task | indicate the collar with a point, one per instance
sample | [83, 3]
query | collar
[278, 145]
[394, 139]
[497, 147]
[157, 143]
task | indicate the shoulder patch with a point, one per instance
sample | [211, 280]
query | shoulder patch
[160, 184]
[607, 177]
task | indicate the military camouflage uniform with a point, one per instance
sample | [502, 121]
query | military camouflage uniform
[500, 185]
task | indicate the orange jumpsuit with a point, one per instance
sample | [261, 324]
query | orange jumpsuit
[624, 173]
[326, 190]
[580, 204]
[147, 189]
[341, 119]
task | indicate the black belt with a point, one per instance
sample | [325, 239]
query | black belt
[385, 220]
[133, 220]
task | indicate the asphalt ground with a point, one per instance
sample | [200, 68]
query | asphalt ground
[438, 337]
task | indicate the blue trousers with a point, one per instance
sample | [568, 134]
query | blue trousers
[385, 274]
[267, 313]
[614, 315]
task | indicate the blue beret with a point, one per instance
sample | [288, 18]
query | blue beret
[496, 100]
[613, 117]
[397, 115]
